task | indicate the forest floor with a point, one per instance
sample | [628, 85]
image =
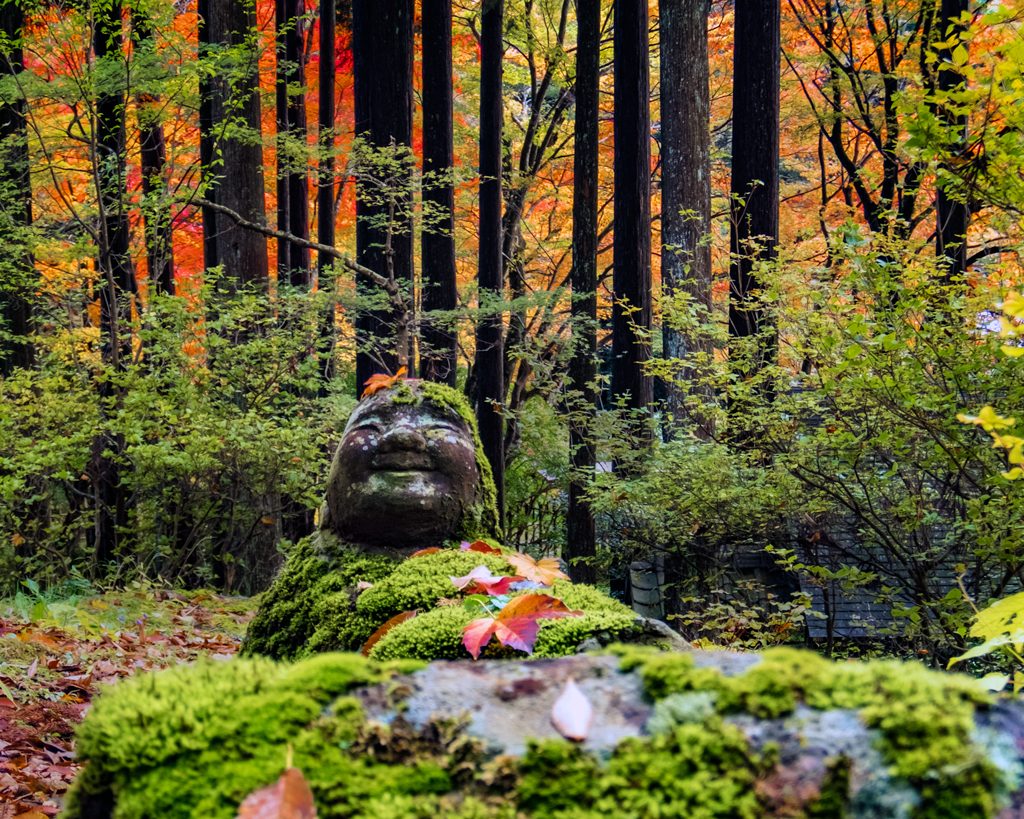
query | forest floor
[56, 656]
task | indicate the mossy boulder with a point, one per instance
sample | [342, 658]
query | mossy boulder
[317, 605]
[712, 735]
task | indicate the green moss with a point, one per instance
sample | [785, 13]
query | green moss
[418, 583]
[310, 599]
[705, 770]
[433, 635]
[925, 719]
[194, 741]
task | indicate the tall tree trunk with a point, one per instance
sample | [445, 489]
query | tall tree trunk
[686, 194]
[325, 182]
[325, 179]
[284, 246]
[298, 177]
[153, 159]
[631, 253]
[754, 230]
[581, 540]
[239, 185]
[952, 211]
[16, 198]
[489, 362]
[117, 282]
[440, 341]
[382, 42]
[207, 137]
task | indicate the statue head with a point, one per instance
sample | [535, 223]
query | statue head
[410, 473]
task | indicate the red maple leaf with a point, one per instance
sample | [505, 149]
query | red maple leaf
[481, 581]
[478, 546]
[516, 625]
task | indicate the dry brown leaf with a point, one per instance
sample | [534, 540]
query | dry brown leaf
[289, 798]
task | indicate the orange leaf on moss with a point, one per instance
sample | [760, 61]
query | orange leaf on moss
[544, 571]
[422, 552]
[479, 546]
[379, 381]
[397, 620]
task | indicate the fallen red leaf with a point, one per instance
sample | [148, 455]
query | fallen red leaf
[516, 625]
[479, 546]
[289, 798]
[397, 620]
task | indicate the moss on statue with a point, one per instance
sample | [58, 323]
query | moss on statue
[308, 609]
[418, 583]
[193, 742]
[315, 606]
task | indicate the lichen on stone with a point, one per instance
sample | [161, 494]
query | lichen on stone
[925, 719]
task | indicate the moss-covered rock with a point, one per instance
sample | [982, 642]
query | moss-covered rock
[674, 737]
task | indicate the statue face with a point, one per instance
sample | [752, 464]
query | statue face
[403, 476]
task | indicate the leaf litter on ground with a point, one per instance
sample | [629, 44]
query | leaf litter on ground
[52, 666]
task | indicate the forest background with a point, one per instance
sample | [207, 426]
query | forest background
[717, 276]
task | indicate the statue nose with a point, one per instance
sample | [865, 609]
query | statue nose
[403, 439]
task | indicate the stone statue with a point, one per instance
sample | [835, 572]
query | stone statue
[408, 474]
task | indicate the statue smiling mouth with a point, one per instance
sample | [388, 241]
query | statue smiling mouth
[402, 461]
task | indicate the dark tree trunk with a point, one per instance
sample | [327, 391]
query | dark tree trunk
[207, 137]
[686, 193]
[438, 354]
[16, 198]
[952, 211]
[631, 254]
[284, 247]
[298, 177]
[325, 179]
[117, 276]
[153, 161]
[382, 43]
[325, 189]
[754, 233]
[489, 363]
[581, 540]
[239, 185]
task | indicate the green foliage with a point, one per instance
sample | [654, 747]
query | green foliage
[222, 437]
[846, 455]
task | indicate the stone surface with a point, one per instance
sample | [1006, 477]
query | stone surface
[508, 703]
